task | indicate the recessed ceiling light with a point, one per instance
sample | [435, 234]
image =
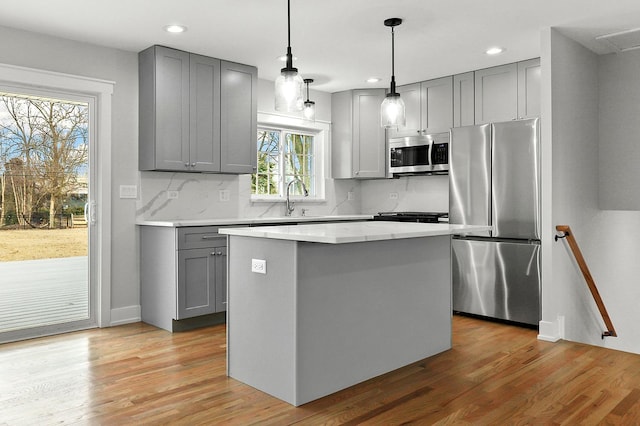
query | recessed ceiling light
[374, 80]
[494, 51]
[175, 28]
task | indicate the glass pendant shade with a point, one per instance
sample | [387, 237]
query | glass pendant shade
[289, 91]
[392, 112]
[309, 110]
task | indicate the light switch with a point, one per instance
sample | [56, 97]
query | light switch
[128, 191]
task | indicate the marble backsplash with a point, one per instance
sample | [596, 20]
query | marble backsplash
[411, 193]
[199, 197]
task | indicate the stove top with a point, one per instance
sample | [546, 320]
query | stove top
[421, 217]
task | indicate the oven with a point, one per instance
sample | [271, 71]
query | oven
[419, 217]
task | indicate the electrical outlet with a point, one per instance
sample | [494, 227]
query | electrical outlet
[350, 196]
[173, 195]
[393, 195]
[224, 195]
[259, 266]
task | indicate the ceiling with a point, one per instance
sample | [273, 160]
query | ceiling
[339, 43]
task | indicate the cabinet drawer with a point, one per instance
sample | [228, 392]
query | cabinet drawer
[191, 237]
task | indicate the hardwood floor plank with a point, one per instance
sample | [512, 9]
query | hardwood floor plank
[138, 374]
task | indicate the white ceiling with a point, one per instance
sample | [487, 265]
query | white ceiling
[339, 43]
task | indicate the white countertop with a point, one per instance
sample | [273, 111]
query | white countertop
[352, 232]
[249, 221]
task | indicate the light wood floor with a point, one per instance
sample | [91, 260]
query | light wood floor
[137, 374]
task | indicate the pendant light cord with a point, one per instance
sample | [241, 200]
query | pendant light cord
[289, 65]
[393, 71]
[393, 68]
[289, 24]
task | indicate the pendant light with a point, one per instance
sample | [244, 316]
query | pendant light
[289, 85]
[309, 111]
[392, 113]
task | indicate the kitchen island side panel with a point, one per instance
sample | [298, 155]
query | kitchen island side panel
[364, 309]
[261, 315]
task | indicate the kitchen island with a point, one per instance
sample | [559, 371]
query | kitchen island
[313, 309]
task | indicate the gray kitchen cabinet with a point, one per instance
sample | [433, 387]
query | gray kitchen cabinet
[496, 94]
[196, 113]
[428, 107]
[463, 100]
[507, 92]
[182, 275]
[529, 88]
[239, 118]
[358, 142]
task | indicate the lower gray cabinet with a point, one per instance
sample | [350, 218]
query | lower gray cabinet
[202, 281]
[183, 275]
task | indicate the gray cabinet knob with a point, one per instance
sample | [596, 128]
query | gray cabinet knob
[193, 164]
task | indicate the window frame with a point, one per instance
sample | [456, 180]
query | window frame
[320, 133]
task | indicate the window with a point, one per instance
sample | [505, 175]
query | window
[285, 157]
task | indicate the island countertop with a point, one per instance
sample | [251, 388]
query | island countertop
[353, 232]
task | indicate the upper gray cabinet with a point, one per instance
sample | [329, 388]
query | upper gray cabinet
[507, 92]
[463, 100]
[529, 88]
[358, 144]
[429, 107]
[197, 114]
[239, 118]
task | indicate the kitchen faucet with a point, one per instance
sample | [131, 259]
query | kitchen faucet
[289, 205]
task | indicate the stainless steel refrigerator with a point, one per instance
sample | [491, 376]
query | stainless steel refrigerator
[494, 179]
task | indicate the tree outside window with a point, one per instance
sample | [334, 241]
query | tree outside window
[43, 157]
[284, 156]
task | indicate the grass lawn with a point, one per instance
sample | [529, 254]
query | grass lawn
[29, 244]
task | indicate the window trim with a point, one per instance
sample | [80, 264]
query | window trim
[320, 132]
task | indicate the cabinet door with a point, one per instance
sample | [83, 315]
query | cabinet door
[221, 278]
[342, 135]
[369, 143]
[437, 105]
[410, 95]
[239, 118]
[172, 109]
[196, 282]
[496, 94]
[463, 100]
[204, 139]
[529, 88]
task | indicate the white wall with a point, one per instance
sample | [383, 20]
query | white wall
[608, 239]
[619, 91]
[54, 54]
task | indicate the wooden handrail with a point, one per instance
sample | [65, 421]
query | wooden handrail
[568, 234]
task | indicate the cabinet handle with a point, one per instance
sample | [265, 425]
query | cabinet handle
[193, 164]
[208, 237]
[186, 164]
[213, 253]
[218, 253]
[357, 173]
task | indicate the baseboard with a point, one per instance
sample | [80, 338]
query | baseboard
[126, 315]
[551, 331]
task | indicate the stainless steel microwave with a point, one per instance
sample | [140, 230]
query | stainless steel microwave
[420, 154]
